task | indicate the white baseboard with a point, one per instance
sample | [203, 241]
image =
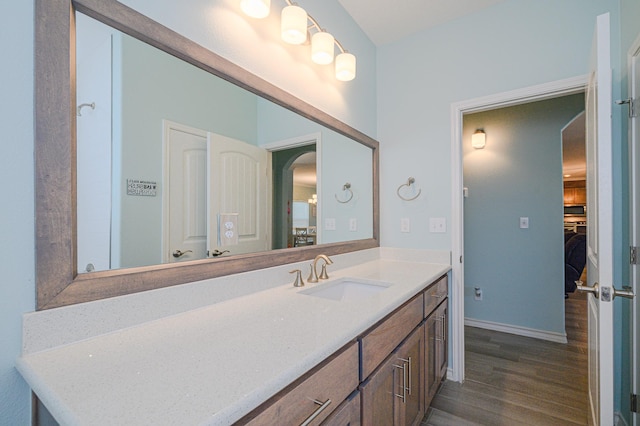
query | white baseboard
[520, 331]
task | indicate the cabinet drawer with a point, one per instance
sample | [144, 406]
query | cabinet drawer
[382, 340]
[435, 294]
[335, 380]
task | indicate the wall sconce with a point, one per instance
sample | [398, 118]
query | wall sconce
[294, 28]
[478, 139]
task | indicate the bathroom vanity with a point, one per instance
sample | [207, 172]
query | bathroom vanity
[261, 353]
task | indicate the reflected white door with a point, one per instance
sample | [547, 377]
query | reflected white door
[185, 194]
[634, 130]
[600, 227]
[239, 184]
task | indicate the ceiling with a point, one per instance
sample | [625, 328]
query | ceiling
[386, 21]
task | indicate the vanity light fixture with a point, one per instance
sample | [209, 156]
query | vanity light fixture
[295, 26]
[478, 139]
[256, 8]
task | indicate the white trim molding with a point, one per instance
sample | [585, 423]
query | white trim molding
[458, 109]
[551, 336]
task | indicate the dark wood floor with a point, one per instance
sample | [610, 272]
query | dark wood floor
[514, 380]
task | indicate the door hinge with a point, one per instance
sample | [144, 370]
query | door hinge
[633, 255]
[632, 106]
[634, 403]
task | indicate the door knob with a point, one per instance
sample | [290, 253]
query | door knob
[585, 288]
[180, 253]
[606, 294]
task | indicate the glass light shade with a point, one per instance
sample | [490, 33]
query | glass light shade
[478, 139]
[345, 67]
[322, 48]
[293, 26]
[256, 8]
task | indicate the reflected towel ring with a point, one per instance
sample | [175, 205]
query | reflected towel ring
[92, 105]
[345, 187]
[410, 182]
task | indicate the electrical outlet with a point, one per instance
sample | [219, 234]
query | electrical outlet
[353, 224]
[405, 224]
[477, 293]
[524, 222]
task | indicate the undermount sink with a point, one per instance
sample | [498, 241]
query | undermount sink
[347, 289]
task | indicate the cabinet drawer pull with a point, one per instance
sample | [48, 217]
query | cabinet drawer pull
[438, 296]
[403, 396]
[408, 361]
[320, 409]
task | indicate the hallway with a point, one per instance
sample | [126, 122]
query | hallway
[515, 380]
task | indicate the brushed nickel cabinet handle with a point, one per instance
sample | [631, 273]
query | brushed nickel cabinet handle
[402, 367]
[320, 409]
[409, 363]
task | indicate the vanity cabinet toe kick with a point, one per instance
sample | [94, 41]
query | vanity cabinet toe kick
[390, 372]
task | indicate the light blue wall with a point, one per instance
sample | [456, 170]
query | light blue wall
[518, 173]
[512, 45]
[342, 160]
[17, 288]
[153, 87]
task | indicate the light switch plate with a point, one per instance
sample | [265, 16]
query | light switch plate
[437, 224]
[353, 224]
[330, 224]
[405, 224]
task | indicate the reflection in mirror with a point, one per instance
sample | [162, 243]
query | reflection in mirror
[173, 163]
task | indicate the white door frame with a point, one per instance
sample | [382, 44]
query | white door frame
[458, 109]
[634, 216]
[311, 138]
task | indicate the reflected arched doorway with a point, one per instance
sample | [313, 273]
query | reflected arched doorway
[294, 184]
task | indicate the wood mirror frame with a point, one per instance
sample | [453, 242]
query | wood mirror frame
[57, 281]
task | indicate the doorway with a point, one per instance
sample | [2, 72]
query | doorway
[295, 196]
[459, 289]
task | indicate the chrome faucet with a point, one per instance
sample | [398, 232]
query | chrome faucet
[313, 274]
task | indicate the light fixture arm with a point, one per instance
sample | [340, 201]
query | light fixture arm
[316, 25]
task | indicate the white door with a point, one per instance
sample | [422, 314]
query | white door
[185, 194]
[238, 193]
[600, 228]
[634, 131]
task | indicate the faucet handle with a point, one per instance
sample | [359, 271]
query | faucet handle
[298, 282]
[313, 275]
[323, 272]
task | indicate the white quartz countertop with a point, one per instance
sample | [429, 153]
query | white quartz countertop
[214, 364]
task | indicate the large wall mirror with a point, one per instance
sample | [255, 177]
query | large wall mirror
[160, 163]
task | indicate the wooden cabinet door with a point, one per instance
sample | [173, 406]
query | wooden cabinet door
[442, 343]
[431, 359]
[379, 394]
[411, 354]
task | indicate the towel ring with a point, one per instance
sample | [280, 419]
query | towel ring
[410, 182]
[345, 187]
[92, 105]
